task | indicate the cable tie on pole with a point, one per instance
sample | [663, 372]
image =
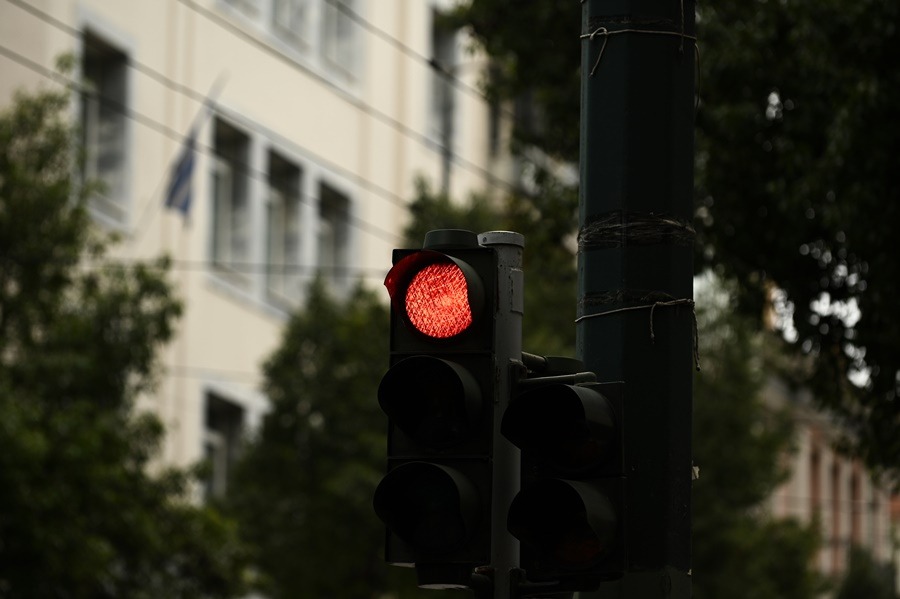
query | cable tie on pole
[618, 228]
[606, 34]
[652, 307]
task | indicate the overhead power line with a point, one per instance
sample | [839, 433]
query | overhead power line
[411, 52]
[490, 178]
[201, 98]
[368, 109]
[129, 113]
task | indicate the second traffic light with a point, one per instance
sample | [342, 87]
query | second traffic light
[439, 396]
[570, 513]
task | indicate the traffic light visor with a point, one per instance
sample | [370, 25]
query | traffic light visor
[437, 295]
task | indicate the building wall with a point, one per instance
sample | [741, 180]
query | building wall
[364, 129]
[835, 491]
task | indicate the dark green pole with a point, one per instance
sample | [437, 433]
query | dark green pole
[636, 321]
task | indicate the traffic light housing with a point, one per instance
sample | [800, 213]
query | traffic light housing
[504, 468]
[570, 513]
[439, 395]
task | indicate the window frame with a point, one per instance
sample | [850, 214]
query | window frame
[337, 273]
[340, 51]
[298, 9]
[283, 280]
[231, 247]
[224, 425]
[103, 104]
[250, 283]
[313, 47]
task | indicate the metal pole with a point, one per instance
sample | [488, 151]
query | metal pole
[508, 350]
[635, 267]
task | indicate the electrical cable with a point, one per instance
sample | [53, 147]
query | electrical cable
[367, 109]
[490, 178]
[175, 135]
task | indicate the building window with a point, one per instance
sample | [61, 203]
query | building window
[251, 8]
[271, 225]
[334, 209]
[855, 508]
[836, 533]
[443, 97]
[323, 32]
[815, 482]
[291, 20]
[495, 117]
[338, 32]
[224, 422]
[874, 525]
[283, 230]
[103, 123]
[231, 204]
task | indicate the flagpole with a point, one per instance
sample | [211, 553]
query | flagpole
[199, 121]
[209, 102]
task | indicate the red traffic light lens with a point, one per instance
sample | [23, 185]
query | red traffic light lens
[437, 296]
[437, 301]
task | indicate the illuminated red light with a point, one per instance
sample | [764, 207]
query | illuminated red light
[437, 301]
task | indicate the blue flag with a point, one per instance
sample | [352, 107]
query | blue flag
[179, 191]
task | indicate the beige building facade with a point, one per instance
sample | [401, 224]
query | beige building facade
[310, 121]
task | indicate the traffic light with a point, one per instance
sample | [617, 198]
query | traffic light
[570, 514]
[439, 395]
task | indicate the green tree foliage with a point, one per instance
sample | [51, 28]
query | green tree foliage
[303, 490]
[866, 578]
[797, 156]
[536, 55]
[739, 445]
[79, 514]
[797, 144]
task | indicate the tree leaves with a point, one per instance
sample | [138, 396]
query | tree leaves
[80, 516]
[303, 489]
[797, 145]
